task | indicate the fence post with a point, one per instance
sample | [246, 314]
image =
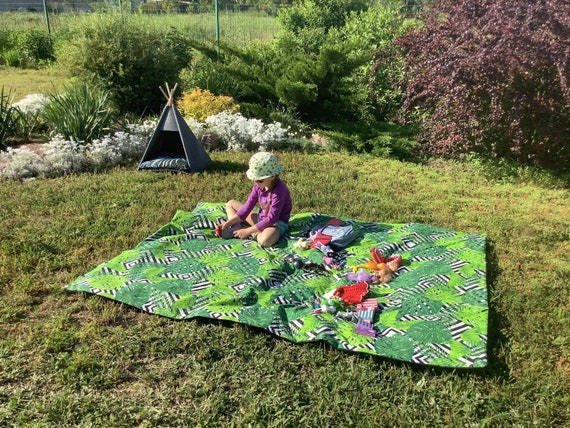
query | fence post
[47, 17]
[217, 29]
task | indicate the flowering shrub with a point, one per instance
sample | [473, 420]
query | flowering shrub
[199, 104]
[33, 103]
[241, 134]
[122, 148]
[65, 157]
[28, 120]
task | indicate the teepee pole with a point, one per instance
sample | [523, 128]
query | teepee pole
[169, 93]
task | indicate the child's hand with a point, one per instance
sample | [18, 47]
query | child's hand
[243, 233]
[229, 223]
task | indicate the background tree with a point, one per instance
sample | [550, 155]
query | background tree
[491, 77]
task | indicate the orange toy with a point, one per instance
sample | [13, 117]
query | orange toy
[383, 267]
[370, 265]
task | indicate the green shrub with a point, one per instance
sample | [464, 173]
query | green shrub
[128, 60]
[309, 22]
[325, 82]
[81, 113]
[5, 45]
[29, 48]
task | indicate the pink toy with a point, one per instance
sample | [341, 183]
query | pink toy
[365, 313]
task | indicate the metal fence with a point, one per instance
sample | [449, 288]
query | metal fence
[144, 6]
[204, 19]
[239, 21]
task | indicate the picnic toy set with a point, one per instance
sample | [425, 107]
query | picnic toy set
[349, 302]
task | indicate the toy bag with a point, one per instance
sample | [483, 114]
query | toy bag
[333, 235]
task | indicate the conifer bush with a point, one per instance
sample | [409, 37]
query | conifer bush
[318, 67]
[491, 78]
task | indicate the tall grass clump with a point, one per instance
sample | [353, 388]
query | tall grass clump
[7, 113]
[80, 113]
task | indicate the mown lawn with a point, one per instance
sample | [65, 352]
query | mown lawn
[70, 359]
[21, 82]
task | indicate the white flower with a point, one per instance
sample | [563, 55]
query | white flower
[33, 103]
[242, 134]
[23, 163]
[122, 148]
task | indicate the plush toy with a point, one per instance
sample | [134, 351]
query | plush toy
[390, 268]
[383, 268]
[302, 244]
[360, 276]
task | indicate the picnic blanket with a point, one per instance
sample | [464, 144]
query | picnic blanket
[433, 312]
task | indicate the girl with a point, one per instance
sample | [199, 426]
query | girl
[271, 221]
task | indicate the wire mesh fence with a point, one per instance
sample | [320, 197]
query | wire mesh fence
[233, 21]
[213, 20]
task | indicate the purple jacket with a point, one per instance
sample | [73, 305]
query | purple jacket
[274, 204]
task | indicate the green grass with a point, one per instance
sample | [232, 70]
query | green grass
[25, 82]
[70, 359]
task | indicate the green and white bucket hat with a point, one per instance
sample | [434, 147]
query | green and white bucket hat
[263, 165]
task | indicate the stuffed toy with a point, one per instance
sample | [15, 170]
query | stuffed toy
[383, 268]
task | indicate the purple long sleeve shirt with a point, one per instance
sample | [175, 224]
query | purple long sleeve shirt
[278, 199]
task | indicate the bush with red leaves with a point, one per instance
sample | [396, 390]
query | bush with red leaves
[491, 77]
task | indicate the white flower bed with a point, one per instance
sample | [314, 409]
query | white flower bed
[62, 157]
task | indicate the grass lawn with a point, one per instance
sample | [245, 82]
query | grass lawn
[23, 82]
[70, 359]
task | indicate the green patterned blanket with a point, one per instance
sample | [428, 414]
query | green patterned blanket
[434, 311]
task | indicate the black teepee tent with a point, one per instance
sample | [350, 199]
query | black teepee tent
[173, 146]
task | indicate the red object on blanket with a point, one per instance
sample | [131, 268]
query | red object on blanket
[395, 259]
[323, 239]
[377, 255]
[353, 294]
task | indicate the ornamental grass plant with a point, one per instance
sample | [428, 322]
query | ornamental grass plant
[80, 113]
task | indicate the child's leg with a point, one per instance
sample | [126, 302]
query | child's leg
[233, 206]
[269, 236]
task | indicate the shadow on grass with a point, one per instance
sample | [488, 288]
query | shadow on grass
[496, 339]
[225, 167]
